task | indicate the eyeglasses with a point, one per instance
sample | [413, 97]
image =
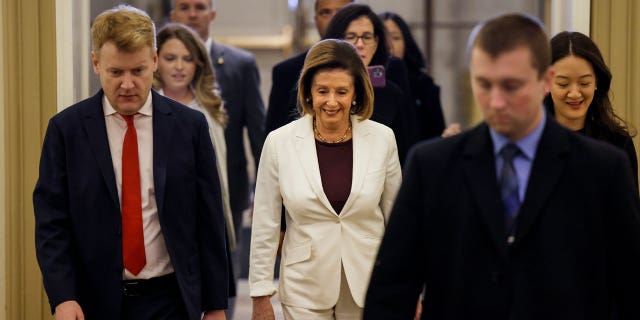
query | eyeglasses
[367, 38]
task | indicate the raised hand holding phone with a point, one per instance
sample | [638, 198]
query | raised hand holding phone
[377, 76]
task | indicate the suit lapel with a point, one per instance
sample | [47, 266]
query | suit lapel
[547, 167]
[217, 60]
[96, 129]
[163, 123]
[305, 147]
[479, 167]
[361, 157]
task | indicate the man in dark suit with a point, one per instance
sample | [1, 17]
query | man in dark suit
[545, 228]
[282, 99]
[129, 221]
[239, 82]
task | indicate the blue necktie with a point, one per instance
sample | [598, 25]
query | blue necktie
[509, 186]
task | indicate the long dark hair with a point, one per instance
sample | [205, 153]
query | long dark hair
[601, 122]
[412, 56]
[340, 22]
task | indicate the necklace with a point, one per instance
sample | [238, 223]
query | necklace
[323, 139]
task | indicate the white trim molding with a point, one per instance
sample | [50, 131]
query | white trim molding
[570, 15]
[73, 61]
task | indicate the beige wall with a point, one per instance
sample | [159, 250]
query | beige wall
[3, 261]
[29, 86]
[569, 15]
[616, 29]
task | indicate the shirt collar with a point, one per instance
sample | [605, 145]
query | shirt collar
[146, 109]
[208, 44]
[527, 145]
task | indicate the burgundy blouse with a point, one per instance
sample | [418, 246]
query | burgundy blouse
[336, 169]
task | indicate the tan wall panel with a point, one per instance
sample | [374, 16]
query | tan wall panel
[632, 113]
[615, 28]
[3, 185]
[29, 86]
[618, 59]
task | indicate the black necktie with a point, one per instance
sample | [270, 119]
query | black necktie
[509, 185]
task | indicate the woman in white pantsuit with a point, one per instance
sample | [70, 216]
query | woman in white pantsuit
[337, 174]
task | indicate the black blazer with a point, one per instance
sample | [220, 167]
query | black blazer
[391, 108]
[576, 250]
[239, 80]
[284, 90]
[78, 217]
[428, 108]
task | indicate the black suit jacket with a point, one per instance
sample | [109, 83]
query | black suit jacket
[284, 90]
[391, 108]
[428, 108]
[78, 217]
[239, 80]
[576, 250]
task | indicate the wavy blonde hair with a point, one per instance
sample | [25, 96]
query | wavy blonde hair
[204, 79]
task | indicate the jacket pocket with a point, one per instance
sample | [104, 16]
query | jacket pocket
[298, 253]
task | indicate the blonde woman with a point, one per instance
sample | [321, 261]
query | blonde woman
[185, 74]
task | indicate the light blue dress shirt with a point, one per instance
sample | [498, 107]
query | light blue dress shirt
[522, 162]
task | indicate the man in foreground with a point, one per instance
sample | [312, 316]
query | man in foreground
[517, 218]
[129, 221]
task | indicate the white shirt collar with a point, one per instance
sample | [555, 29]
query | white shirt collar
[208, 44]
[109, 110]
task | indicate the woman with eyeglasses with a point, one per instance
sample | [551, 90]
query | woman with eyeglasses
[359, 25]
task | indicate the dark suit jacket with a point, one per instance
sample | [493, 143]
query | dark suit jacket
[576, 250]
[391, 108]
[239, 81]
[428, 108]
[78, 217]
[284, 90]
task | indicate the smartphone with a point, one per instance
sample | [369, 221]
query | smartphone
[377, 76]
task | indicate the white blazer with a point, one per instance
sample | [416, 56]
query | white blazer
[318, 241]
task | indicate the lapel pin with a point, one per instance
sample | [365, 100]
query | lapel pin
[220, 60]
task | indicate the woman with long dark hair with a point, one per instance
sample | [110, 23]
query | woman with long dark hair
[425, 93]
[579, 96]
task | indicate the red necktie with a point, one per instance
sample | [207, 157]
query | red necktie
[133, 254]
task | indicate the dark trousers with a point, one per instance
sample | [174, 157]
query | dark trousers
[153, 299]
